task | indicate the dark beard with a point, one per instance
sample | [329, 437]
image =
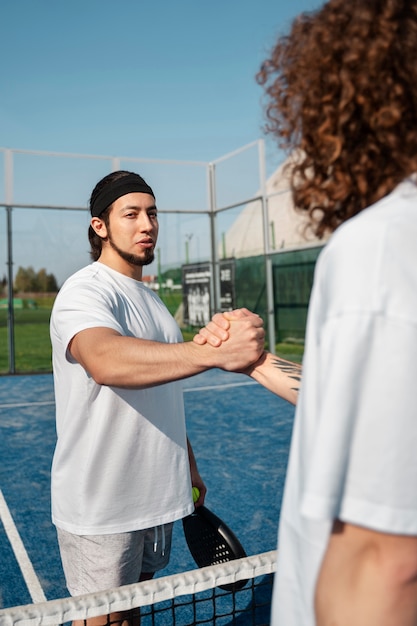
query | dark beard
[134, 259]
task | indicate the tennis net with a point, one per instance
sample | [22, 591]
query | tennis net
[184, 599]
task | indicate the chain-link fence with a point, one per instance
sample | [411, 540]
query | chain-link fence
[218, 246]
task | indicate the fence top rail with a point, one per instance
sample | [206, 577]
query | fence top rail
[236, 152]
[15, 205]
[65, 207]
[108, 157]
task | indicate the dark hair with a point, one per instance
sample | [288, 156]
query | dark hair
[341, 94]
[96, 242]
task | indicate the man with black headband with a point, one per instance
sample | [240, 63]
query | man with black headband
[123, 469]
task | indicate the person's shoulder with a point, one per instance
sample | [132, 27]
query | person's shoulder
[369, 260]
[86, 280]
[375, 225]
[88, 273]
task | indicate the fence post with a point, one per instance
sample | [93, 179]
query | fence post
[267, 251]
[215, 282]
[8, 161]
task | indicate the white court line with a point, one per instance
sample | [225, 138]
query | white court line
[26, 567]
[18, 405]
[211, 387]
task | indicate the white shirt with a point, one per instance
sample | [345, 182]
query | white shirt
[354, 447]
[121, 460]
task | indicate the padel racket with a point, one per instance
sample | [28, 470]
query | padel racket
[211, 541]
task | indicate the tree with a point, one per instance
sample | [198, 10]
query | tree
[46, 282]
[27, 280]
[3, 285]
[174, 273]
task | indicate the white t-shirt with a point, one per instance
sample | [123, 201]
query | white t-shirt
[354, 446]
[121, 460]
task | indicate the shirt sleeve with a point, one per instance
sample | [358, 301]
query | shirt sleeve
[83, 306]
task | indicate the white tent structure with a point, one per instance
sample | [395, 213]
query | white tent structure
[287, 227]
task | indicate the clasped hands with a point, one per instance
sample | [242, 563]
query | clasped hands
[239, 333]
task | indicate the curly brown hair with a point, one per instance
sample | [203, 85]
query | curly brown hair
[341, 92]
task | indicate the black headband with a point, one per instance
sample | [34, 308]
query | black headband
[130, 183]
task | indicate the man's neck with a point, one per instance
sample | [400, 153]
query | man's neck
[115, 262]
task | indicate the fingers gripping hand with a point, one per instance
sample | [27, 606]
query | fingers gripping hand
[216, 331]
[245, 343]
[239, 314]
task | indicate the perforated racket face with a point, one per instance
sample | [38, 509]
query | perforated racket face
[205, 542]
[211, 542]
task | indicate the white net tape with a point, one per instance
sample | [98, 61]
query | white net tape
[141, 594]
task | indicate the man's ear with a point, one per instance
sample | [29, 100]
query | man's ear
[99, 227]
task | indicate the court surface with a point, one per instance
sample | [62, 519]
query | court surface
[240, 433]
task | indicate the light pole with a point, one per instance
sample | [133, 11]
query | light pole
[188, 238]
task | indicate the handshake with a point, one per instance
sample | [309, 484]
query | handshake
[238, 338]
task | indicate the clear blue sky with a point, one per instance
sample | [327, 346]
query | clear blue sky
[159, 79]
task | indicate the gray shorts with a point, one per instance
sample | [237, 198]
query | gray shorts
[98, 562]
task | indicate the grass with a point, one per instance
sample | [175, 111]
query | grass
[31, 341]
[290, 351]
[33, 348]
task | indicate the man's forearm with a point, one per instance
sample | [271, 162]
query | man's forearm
[120, 361]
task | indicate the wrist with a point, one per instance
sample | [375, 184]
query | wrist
[202, 355]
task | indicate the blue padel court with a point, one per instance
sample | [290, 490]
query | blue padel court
[240, 433]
